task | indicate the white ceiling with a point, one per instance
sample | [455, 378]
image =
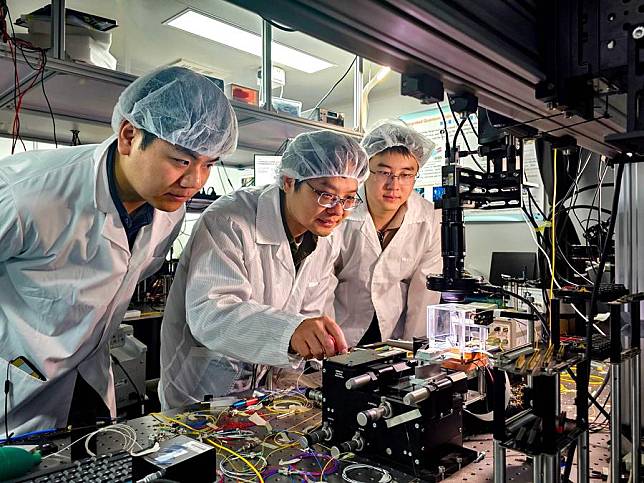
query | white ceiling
[142, 42]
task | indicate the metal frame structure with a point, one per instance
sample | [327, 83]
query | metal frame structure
[491, 47]
[286, 125]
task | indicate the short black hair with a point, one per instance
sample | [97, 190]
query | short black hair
[146, 139]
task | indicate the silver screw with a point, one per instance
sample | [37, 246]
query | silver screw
[610, 45]
[388, 451]
[638, 32]
[417, 462]
[405, 452]
[417, 426]
[375, 425]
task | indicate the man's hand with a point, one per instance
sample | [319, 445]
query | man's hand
[318, 338]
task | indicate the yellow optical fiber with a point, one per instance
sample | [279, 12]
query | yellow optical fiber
[553, 253]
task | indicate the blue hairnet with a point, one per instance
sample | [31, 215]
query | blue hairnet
[387, 134]
[323, 154]
[180, 107]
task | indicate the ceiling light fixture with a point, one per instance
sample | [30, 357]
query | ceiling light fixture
[224, 33]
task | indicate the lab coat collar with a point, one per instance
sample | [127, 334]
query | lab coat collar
[102, 198]
[113, 228]
[269, 229]
[367, 228]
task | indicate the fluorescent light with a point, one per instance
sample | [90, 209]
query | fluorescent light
[237, 38]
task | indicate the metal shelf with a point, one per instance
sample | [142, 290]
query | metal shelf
[83, 96]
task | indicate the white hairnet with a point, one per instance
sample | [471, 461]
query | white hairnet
[322, 154]
[180, 107]
[390, 133]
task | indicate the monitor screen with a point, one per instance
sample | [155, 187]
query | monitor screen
[266, 169]
[514, 264]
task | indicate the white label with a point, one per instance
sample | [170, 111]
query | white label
[196, 446]
[403, 418]
[169, 454]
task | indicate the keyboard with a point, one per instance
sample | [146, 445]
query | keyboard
[599, 347]
[607, 292]
[113, 468]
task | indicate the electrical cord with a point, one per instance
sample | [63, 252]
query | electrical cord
[467, 144]
[458, 131]
[216, 445]
[605, 249]
[7, 390]
[226, 173]
[278, 26]
[126, 432]
[495, 290]
[553, 232]
[472, 126]
[592, 399]
[384, 478]
[15, 45]
[136, 390]
[591, 208]
[440, 109]
[282, 147]
[547, 257]
[333, 87]
[239, 456]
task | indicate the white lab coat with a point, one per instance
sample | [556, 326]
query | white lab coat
[389, 282]
[66, 277]
[236, 299]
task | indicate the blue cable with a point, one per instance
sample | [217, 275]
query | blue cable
[27, 435]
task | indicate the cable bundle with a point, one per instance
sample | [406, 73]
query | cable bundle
[19, 45]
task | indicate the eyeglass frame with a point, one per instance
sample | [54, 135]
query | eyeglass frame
[358, 201]
[390, 177]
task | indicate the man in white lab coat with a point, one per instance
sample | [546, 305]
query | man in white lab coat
[251, 284]
[80, 227]
[389, 244]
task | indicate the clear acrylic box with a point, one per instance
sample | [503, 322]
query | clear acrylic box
[463, 327]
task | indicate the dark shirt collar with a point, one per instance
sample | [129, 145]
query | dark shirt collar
[140, 217]
[307, 243]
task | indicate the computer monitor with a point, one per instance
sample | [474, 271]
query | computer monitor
[266, 169]
[514, 264]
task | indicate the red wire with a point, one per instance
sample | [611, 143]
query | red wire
[15, 44]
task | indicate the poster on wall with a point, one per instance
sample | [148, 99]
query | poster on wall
[430, 123]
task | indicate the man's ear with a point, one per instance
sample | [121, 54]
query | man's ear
[289, 184]
[127, 133]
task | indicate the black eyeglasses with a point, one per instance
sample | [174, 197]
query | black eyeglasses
[403, 178]
[329, 200]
